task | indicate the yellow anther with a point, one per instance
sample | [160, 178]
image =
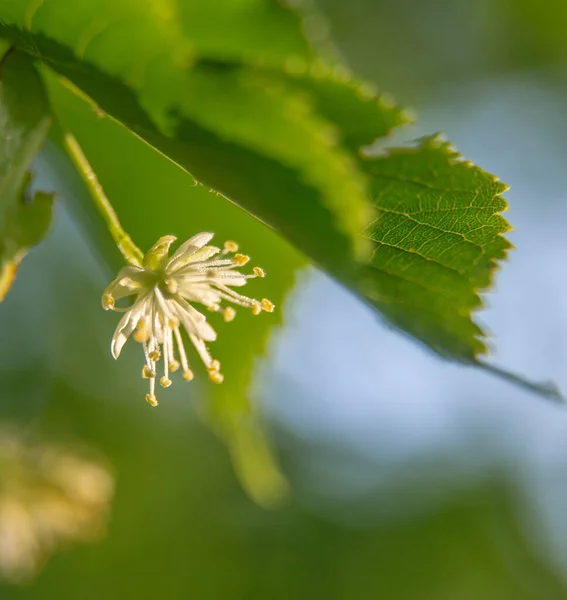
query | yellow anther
[213, 307]
[108, 302]
[188, 375]
[230, 246]
[174, 366]
[240, 259]
[215, 365]
[256, 308]
[267, 305]
[165, 382]
[216, 377]
[259, 272]
[151, 400]
[155, 355]
[147, 373]
[229, 314]
[141, 335]
[171, 286]
[172, 323]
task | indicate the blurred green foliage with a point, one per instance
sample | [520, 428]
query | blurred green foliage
[25, 118]
[424, 45]
[182, 527]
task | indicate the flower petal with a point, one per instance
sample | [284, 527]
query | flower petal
[157, 254]
[130, 280]
[125, 328]
[202, 254]
[226, 277]
[201, 350]
[194, 322]
[128, 323]
[200, 292]
[193, 244]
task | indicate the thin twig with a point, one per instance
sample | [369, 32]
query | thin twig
[126, 245]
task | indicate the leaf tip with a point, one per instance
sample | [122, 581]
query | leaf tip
[547, 389]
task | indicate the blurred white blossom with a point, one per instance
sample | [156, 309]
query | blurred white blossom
[50, 496]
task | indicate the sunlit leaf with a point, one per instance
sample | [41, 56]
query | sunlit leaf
[303, 184]
[437, 238]
[357, 110]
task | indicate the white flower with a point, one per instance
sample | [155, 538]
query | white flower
[164, 289]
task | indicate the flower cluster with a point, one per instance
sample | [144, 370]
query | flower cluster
[51, 496]
[164, 290]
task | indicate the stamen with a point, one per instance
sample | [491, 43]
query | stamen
[142, 334]
[171, 286]
[108, 302]
[230, 246]
[165, 382]
[205, 265]
[173, 364]
[256, 308]
[232, 296]
[236, 299]
[216, 377]
[154, 355]
[151, 399]
[152, 386]
[167, 344]
[149, 361]
[188, 375]
[182, 354]
[240, 259]
[213, 308]
[267, 305]
[128, 282]
[259, 272]
[148, 373]
[229, 314]
[202, 351]
[215, 365]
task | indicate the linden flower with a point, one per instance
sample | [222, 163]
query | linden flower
[51, 496]
[164, 289]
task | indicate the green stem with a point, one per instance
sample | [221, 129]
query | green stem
[126, 245]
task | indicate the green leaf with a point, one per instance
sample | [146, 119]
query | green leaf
[437, 238]
[169, 32]
[262, 113]
[25, 225]
[25, 119]
[317, 199]
[359, 112]
[261, 32]
[308, 188]
[280, 134]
